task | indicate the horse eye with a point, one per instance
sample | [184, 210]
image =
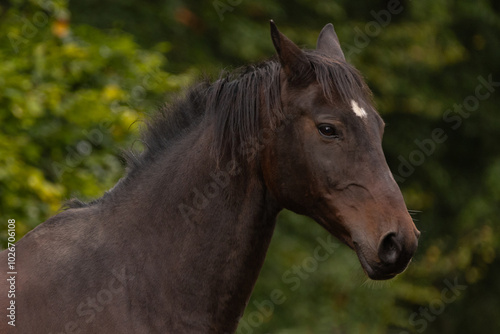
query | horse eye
[328, 131]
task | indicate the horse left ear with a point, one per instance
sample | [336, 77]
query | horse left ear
[328, 43]
[293, 60]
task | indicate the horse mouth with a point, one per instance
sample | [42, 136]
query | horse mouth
[376, 271]
[372, 265]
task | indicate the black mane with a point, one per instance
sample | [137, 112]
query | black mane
[234, 101]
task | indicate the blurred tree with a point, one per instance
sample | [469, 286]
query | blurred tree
[69, 96]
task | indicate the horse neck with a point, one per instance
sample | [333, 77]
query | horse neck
[209, 227]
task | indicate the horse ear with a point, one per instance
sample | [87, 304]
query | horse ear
[328, 43]
[293, 60]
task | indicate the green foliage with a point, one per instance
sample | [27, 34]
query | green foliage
[69, 97]
[421, 58]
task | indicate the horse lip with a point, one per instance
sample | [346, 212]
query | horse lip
[364, 263]
[368, 269]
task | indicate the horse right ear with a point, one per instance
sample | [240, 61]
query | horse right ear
[293, 60]
[328, 43]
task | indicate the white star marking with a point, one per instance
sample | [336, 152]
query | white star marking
[360, 112]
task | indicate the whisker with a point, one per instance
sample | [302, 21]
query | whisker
[414, 213]
[376, 285]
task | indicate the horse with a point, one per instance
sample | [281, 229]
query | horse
[177, 244]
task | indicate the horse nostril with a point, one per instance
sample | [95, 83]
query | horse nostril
[389, 249]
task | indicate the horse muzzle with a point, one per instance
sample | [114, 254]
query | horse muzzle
[394, 252]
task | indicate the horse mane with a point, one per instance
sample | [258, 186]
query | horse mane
[235, 101]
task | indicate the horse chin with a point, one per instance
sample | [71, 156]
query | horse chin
[374, 274]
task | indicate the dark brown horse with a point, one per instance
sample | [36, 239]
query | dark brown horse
[176, 246]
